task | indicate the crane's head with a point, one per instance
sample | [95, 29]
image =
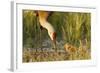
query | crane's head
[53, 37]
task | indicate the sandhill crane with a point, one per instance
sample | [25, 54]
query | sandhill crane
[43, 16]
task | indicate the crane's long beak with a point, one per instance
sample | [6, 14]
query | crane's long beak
[54, 39]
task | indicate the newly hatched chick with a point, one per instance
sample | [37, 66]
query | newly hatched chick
[69, 48]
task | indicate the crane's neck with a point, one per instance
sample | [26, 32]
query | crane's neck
[47, 25]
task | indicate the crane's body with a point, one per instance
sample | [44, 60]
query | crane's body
[43, 15]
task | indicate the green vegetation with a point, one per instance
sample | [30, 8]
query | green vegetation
[71, 27]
